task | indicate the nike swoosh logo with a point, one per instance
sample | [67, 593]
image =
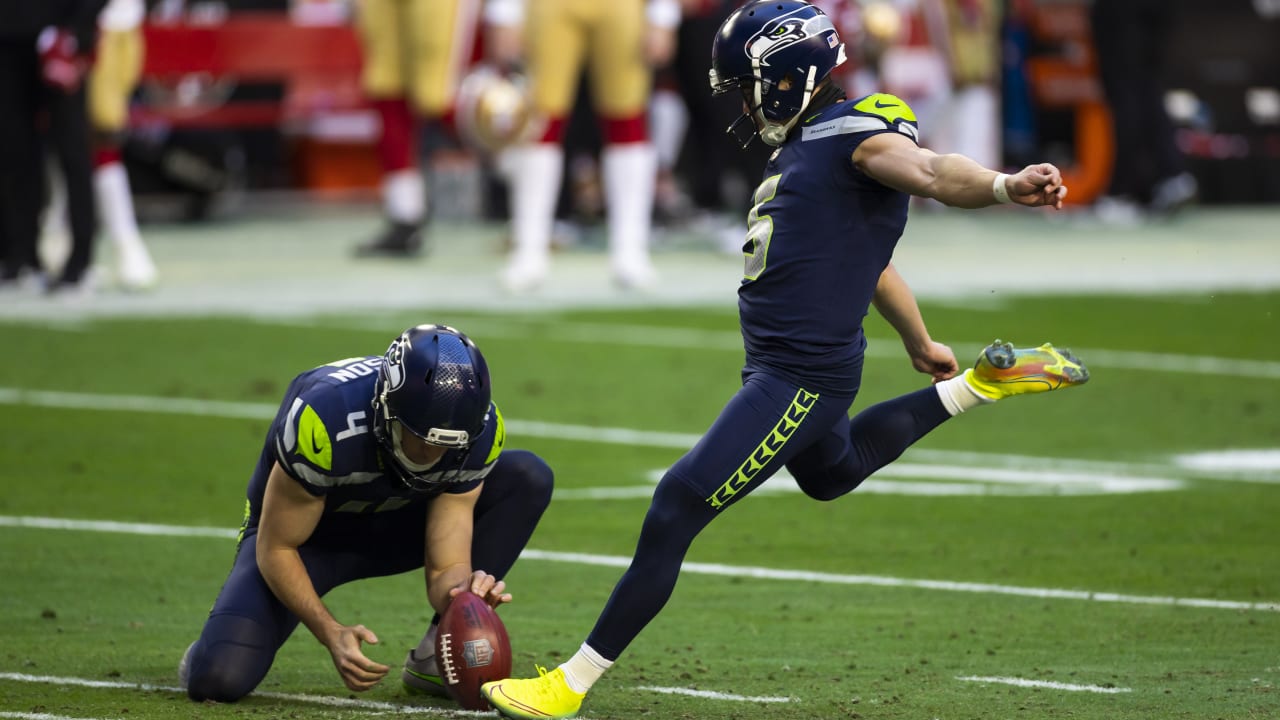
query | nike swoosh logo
[435, 679]
[880, 104]
[316, 446]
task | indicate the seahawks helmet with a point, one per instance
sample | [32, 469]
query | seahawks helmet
[433, 383]
[764, 43]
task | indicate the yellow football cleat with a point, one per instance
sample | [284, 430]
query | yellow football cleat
[1003, 371]
[546, 696]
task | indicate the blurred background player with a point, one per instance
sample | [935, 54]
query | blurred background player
[716, 175]
[941, 56]
[68, 133]
[1150, 172]
[618, 43]
[112, 79]
[966, 35]
[21, 164]
[44, 54]
[414, 55]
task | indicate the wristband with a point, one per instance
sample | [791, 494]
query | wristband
[1000, 190]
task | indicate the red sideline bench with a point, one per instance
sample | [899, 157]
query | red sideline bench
[318, 66]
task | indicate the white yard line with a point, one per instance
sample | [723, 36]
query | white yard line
[385, 708]
[621, 436]
[297, 697]
[41, 716]
[712, 695]
[696, 339]
[136, 403]
[1046, 684]
[740, 571]
[376, 706]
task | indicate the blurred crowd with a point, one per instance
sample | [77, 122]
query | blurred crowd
[573, 110]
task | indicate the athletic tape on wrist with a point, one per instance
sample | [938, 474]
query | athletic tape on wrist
[1000, 190]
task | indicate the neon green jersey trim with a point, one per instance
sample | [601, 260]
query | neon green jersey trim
[313, 439]
[890, 107]
[499, 436]
[801, 404]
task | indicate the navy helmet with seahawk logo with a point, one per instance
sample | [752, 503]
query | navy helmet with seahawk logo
[433, 383]
[761, 45]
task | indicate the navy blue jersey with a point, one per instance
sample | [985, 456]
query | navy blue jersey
[322, 438]
[819, 235]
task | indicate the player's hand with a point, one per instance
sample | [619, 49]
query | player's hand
[1037, 185]
[936, 360]
[358, 672]
[486, 586]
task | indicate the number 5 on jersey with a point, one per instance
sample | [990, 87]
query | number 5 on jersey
[759, 230]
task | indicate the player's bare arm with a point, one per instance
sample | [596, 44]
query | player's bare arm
[450, 526]
[289, 515]
[894, 300]
[955, 180]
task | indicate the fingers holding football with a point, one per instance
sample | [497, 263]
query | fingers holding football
[486, 586]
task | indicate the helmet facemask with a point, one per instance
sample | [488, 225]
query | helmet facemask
[390, 433]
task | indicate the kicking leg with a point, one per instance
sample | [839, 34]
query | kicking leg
[879, 434]
[767, 421]
[857, 448]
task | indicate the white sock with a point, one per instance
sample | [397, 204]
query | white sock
[115, 202]
[958, 395]
[583, 669]
[629, 175]
[55, 230]
[115, 207]
[404, 196]
[668, 120]
[537, 170]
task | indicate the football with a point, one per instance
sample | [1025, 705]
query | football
[472, 648]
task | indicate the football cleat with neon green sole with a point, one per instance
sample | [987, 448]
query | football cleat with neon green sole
[421, 676]
[546, 696]
[1004, 371]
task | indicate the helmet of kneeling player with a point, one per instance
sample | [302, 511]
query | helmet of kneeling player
[775, 52]
[434, 386]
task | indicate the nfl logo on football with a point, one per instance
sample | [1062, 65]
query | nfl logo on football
[477, 653]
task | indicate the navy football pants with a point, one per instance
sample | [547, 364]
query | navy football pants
[247, 624]
[770, 423]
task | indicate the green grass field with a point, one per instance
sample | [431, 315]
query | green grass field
[1052, 557]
